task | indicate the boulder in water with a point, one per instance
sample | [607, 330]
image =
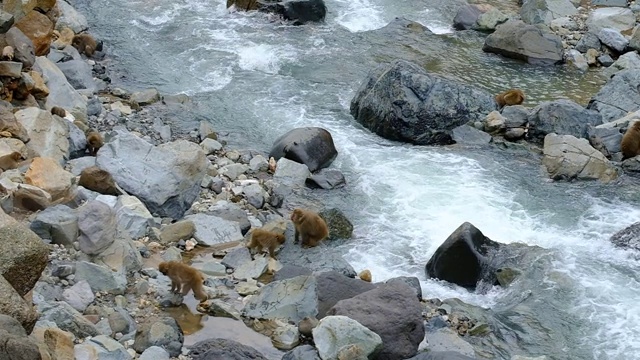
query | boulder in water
[517, 40]
[567, 158]
[401, 101]
[467, 16]
[563, 117]
[618, 96]
[298, 11]
[628, 237]
[312, 146]
[466, 245]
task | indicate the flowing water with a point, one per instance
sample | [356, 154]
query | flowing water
[252, 75]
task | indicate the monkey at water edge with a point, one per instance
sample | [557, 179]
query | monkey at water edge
[11, 161]
[263, 239]
[510, 97]
[630, 144]
[309, 226]
[94, 141]
[184, 278]
[85, 44]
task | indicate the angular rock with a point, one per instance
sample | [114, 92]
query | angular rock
[403, 102]
[166, 178]
[447, 341]
[6, 21]
[634, 42]
[132, 216]
[68, 319]
[563, 117]
[9, 123]
[544, 11]
[255, 195]
[391, 311]
[79, 296]
[48, 134]
[211, 230]
[97, 225]
[231, 212]
[613, 39]
[333, 287]
[46, 174]
[70, 18]
[298, 11]
[465, 245]
[145, 97]
[10, 69]
[290, 299]
[630, 60]
[101, 278]
[618, 96]
[164, 332]
[252, 269]
[154, 353]
[318, 259]
[466, 17]
[339, 226]
[23, 256]
[628, 237]
[335, 332]
[567, 158]
[312, 146]
[23, 50]
[122, 256]
[412, 281]
[39, 29]
[58, 224]
[181, 230]
[489, 20]
[326, 179]
[517, 40]
[101, 347]
[470, 136]
[237, 257]
[12, 304]
[577, 59]
[77, 141]
[223, 349]
[61, 93]
[616, 18]
[78, 74]
[303, 352]
[31, 198]
[588, 41]
[609, 138]
[291, 172]
[98, 180]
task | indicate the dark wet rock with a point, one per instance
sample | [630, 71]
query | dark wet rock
[412, 281]
[466, 245]
[605, 60]
[588, 41]
[164, 332]
[326, 179]
[298, 11]
[212, 349]
[466, 17]
[468, 135]
[628, 237]
[290, 271]
[77, 141]
[401, 101]
[339, 226]
[618, 96]
[393, 312]
[333, 287]
[563, 117]
[14, 342]
[517, 40]
[312, 146]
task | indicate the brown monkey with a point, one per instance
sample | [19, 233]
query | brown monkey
[630, 144]
[11, 161]
[184, 278]
[94, 141]
[309, 226]
[510, 97]
[7, 53]
[265, 239]
[98, 180]
[84, 43]
[57, 110]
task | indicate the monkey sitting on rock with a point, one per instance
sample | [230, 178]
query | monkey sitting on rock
[630, 144]
[309, 227]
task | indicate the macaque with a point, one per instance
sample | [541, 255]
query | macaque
[11, 161]
[510, 97]
[94, 141]
[84, 43]
[98, 180]
[309, 226]
[7, 53]
[630, 144]
[184, 278]
[265, 239]
[57, 110]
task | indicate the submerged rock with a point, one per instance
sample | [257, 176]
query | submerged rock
[618, 96]
[401, 101]
[562, 117]
[515, 39]
[628, 237]
[298, 11]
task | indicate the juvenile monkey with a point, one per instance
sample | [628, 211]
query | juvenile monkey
[309, 226]
[98, 180]
[57, 110]
[94, 141]
[7, 53]
[510, 97]
[84, 43]
[630, 144]
[265, 239]
[184, 278]
[11, 161]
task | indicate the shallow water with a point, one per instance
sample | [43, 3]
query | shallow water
[254, 76]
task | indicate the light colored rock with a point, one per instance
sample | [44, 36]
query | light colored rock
[290, 299]
[291, 172]
[630, 60]
[145, 97]
[210, 146]
[61, 93]
[46, 174]
[258, 163]
[494, 122]
[70, 18]
[335, 332]
[621, 19]
[232, 171]
[124, 109]
[567, 157]
[489, 20]
[58, 224]
[154, 353]
[255, 195]
[613, 39]
[446, 339]
[10, 69]
[37, 27]
[48, 133]
[544, 11]
[132, 216]
[211, 230]
[577, 59]
[251, 270]
[101, 347]
[101, 278]
[79, 296]
[286, 337]
[97, 225]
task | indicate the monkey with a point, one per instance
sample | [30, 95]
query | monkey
[94, 141]
[306, 325]
[630, 144]
[309, 226]
[7, 53]
[84, 43]
[365, 275]
[265, 239]
[272, 164]
[57, 110]
[11, 161]
[184, 278]
[510, 97]
[98, 180]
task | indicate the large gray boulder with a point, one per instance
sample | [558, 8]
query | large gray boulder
[22, 47]
[319, 258]
[628, 237]
[164, 332]
[563, 117]
[312, 146]
[71, 18]
[61, 93]
[401, 101]
[544, 11]
[298, 11]
[621, 19]
[48, 133]
[568, 158]
[59, 224]
[393, 312]
[467, 16]
[97, 224]
[292, 299]
[333, 333]
[517, 40]
[333, 286]
[618, 96]
[212, 230]
[166, 178]
[78, 74]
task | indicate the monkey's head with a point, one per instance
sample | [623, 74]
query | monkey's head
[636, 125]
[280, 238]
[163, 267]
[17, 156]
[296, 215]
[94, 139]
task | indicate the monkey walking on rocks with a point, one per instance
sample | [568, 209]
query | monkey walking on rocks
[630, 144]
[184, 278]
[309, 226]
[94, 141]
[265, 239]
[85, 44]
[510, 97]
[11, 161]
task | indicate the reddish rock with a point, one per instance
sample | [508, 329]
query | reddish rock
[39, 29]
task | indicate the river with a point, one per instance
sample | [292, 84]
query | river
[254, 76]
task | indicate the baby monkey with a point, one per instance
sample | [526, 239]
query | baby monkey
[265, 239]
[184, 278]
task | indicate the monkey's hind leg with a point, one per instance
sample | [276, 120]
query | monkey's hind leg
[186, 287]
[296, 237]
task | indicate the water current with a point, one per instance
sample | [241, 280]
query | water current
[252, 75]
